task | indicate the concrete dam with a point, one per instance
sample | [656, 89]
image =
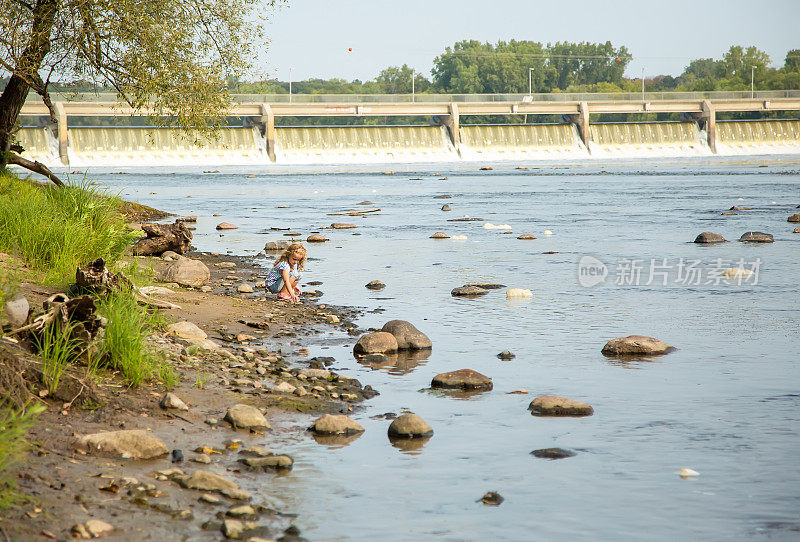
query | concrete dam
[446, 140]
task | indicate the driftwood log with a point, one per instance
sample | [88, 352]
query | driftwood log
[95, 277]
[163, 237]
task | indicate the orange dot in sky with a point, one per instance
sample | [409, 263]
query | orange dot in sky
[349, 48]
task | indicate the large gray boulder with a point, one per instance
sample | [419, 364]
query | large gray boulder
[408, 337]
[186, 272]
[246, 417]
[128, 444]
[379, 342]
[635, 345]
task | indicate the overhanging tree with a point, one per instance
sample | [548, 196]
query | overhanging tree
[167, 57]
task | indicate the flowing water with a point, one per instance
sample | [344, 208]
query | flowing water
[726, 403]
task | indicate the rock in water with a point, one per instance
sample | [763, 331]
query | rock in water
[526, 236]
[409, 425]
[737, 273]
[170, 400]
[553, 453]
[16, 310]
[316, 238]
[708, 237]
[635, 345]
[518, 293]
[553, 405]
[206, 481]
[756, 237]
[340, 424]
[408, 337]
[506, 355]
[342, 226]
[186, 272]
[379, 342]
[226, 226]
[246, 417]
[274, 246]
[269, 462]
[375, 285]
[492, 498]
[97, 528]
[128, 444]
[794, 218]
[440, 235]
[465, 379]
[445, 207]
[245, 288]
[467, 291]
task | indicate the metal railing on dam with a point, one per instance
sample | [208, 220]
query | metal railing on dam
[698, 108]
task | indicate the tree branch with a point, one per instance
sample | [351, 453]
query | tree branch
[36, 167]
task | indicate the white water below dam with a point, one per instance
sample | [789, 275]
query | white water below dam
[140, 146]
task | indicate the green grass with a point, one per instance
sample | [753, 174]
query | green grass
[56, 348]
[124, 346]
[56, 229]
[14, 424]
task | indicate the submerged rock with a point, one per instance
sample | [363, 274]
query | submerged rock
[553, 453]
[445, 207]
[275, 246]
[316, 238]
[506, 355]
[375, 285]
[246, 417]
[467, 291]
[708, 237]
[329, 424]
[269, 462]
[794, 218]
[526, 236]
[408, 337]
[486, 285]
[128, 444]
[492, 498]
[756, 237]
[409, 425]
[518, 292]
[204, 480]
[379, 342]
[440, 235]
[465, 379]
[342, 226]
[553, 405]
[635, 345]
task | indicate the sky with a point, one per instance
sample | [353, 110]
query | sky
[353, 39]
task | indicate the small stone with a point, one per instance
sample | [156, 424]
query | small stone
[130, 444]
[232, 528]
[170, 400]
[245, 289]
[379, 342]
[708, 237]
[342, 226]
[492, 498]
[553, 405]
[634, 345]
[737, 273]
[236, 494]
[440, 235]
[226, 226]
[203, 459]
[375, 285]
[79, 531]
[756, 237]
[210, 498]
[97, 528]
[225, 265]
[526, 236]
[467, 291]
[269, 462]
[796, 230]
[190, 218]
[16, 310]
[794, 218]
[685, 473]
[177, 456]
[255, 451]
[465, 379]
[206, 481]
[284, 387]
[246, 417]
[446, 207]
[506, 355]
[740, 208]
[331, 318]
[410, 425]
[316, 238]
[486, 168]
[339, 424]
[552, 453]
[518, 293]
[243, 510]
[275, 246]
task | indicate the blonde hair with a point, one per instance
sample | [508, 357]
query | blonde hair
[291, 249]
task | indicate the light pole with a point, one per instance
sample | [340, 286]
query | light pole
[530, 82]
[413, 73]
[290, 85]
[752, 75]
[642, 84]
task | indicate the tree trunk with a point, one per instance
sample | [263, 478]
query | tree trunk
[26, 71]
[162, 237]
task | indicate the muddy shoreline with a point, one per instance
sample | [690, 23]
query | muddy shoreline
[263, 344]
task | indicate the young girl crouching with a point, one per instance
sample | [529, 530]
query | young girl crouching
[284, 277]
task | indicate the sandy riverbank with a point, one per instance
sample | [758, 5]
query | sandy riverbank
[262, 345]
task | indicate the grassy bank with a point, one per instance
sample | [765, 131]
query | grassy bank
[55, 230]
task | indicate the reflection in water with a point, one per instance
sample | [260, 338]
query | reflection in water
[629, 361]
[410, 446]
[454, 394]
[400, 363]
[336, 441]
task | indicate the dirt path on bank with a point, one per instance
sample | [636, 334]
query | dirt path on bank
[262, 343]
